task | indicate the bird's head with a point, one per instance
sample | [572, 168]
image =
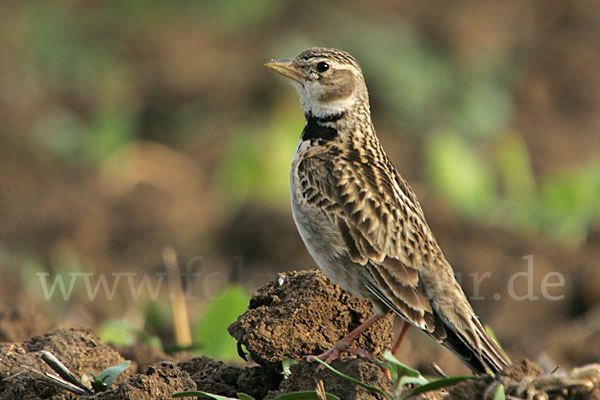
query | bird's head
[329, 81]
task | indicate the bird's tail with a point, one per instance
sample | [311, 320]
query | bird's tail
[478, 350]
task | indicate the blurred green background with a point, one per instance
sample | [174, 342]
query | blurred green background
[129, 126]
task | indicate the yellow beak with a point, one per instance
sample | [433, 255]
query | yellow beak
[285, 68]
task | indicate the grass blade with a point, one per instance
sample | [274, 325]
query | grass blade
[436, 385]
[353, 380]
[195, 393]
[305, 396]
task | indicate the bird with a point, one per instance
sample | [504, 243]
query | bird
[362, 223]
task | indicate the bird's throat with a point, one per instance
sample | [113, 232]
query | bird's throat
[321, 129]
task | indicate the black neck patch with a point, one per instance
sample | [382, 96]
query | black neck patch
[328, 118]
[315, 130]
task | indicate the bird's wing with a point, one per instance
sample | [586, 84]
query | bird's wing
[383, 227]
[380, 232]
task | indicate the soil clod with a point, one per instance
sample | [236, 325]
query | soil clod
[303, 313]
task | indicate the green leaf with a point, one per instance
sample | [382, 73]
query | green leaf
[498, 393]
[245, 173]
[414, 78]
[305, 396]
[116, 331]
[458, 173]
[244, 396]
[106, 377]
[353, 380]
[285, 366]
[401, 374]
[157, 316]
[406, 370]
[515, 168]
[109, 374]
[195, 393]
[122, 333]
[113, 128]
[211, 331]
[175, 348]
[569, 203]
[436, 385]
[145, 338]
[98, 386]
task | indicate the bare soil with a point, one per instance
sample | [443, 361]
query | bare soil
[306, 313]
[78, 349]
[300, 313]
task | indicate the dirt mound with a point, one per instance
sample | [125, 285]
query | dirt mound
[217, 377]
[304, 375]
[303, 313]
[525, 380]
[78, 349]
[300, 313]
[160, 381]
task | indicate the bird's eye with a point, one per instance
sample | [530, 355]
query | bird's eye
[322, 66]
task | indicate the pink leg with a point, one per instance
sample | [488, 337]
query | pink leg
[344, 343]
[403, 329]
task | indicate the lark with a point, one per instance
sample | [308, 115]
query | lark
[361, 221]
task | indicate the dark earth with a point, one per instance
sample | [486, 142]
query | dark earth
[307, 313]
[298, 314]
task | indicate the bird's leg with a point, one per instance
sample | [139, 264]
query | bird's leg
[344, 343]
[403, 329]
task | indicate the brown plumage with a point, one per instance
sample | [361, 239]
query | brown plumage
[361, 221]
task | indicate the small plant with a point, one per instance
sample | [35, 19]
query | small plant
[402, 376]
[353, 380]
[312, 395]
[285, 368]
[219, 314]
[497, 393]
[69, 381]
[318, 394]
[122, 333]
[106, 377]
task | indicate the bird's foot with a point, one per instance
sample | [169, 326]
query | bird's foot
[344, 347]
[336, 351]
[332, 354]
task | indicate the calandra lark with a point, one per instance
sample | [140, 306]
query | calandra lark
[360, 220]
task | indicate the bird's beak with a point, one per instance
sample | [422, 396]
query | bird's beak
[287, 69]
